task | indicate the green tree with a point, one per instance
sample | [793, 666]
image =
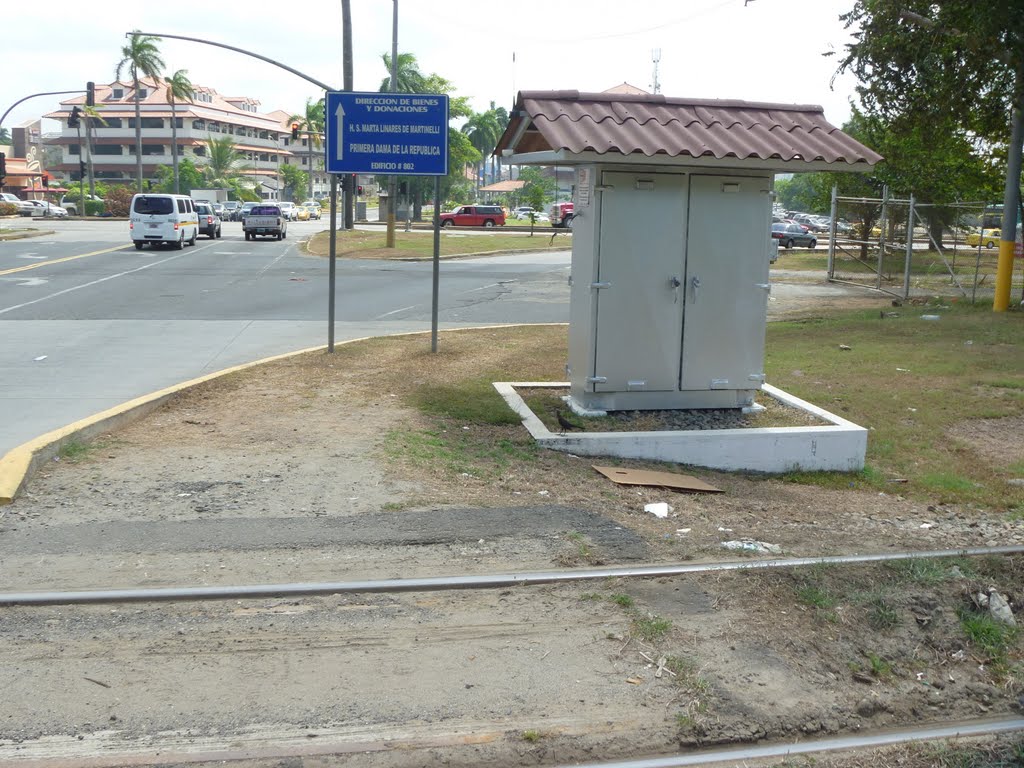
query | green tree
[311, 123]
[177, 86]
[222, 160]
[461, 153]
[187, 178]
[294, 179]
[964, 61]
[90, 116]
[483, 130]
[408, 78]
[140, 55]
[5, 136]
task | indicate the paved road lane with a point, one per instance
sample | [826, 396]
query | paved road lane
[80, 333]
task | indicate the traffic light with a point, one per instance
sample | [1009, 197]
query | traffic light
[81, 169]
[73, 119]
[3, 168]
[295, 131]
[90, 94]
[359, 189]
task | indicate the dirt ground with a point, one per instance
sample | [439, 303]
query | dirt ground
[318, 469]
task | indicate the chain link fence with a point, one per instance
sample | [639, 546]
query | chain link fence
[902, 247]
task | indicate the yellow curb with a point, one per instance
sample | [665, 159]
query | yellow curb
[19, 464]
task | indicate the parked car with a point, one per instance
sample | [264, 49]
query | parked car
[474, 216]
[25, 208]
[789, 235]
[46, 208]
[209, 221]
[522, 212]
[218, 208]
[315, 212]
[302, 213]
[71, 203]
[231, 210]
[289, 210]
[988, 237]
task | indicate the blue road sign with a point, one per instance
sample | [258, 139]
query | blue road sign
[403, 134]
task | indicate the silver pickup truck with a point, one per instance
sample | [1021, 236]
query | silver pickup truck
[265, 220]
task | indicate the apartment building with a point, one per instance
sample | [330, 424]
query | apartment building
[263, 140]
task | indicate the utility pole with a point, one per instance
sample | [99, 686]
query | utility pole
[349, 182]
[392, 185]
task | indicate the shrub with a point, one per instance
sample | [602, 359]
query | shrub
[119, 199]
[8, 209]
[94, 207]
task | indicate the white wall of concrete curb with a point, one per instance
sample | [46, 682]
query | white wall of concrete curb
[839, 445]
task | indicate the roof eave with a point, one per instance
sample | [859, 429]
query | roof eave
[777, 165]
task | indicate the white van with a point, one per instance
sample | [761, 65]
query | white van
[163, 219]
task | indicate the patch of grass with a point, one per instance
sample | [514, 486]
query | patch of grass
[879, 667]
[882, 615]
[474, 401]
[992, 638]
[944, 483]
[622, 600]
[531, 736]
[912, 383]
[815, 596]
[651, 628]
[1007, 755]
[591, 597]
[419, 244]
[923, 571]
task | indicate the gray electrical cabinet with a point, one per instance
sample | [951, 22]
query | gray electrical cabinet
[669, 288]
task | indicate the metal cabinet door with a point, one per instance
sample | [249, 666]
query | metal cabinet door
[640, 266]
[726, 283]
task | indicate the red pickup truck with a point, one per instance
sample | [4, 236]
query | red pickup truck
[474, 216]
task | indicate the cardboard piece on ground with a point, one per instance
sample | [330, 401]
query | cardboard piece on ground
[660, 479]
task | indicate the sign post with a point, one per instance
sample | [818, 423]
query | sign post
[397, 134]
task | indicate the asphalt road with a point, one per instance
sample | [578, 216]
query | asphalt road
[87, 322]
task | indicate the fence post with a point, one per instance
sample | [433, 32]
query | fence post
[832, 233]
[910, 248]
[882, 226]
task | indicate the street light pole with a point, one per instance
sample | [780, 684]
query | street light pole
[389, 241]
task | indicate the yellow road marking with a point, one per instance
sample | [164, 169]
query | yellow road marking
[58, 261]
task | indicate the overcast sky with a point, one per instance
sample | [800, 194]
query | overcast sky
[766, 50]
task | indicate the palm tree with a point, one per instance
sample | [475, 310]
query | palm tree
[178, 86]
[311, 123]
[140, 55]
[222, 160]
[408, 78]
[483, 131]
[5, 136]
[89, 114]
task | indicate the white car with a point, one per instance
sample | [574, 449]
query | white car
[25, 208]
[289, 211]
[45, 208]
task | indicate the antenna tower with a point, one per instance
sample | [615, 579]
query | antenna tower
[656, 58]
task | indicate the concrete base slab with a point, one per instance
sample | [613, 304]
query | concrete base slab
[837, 445]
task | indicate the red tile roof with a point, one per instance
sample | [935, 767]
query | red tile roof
[645, 124]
